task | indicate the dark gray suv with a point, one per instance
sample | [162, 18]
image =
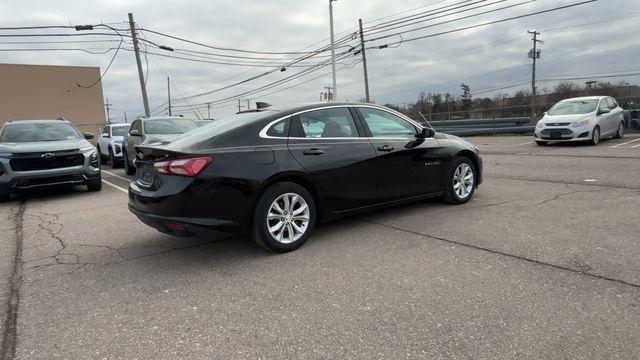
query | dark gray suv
[144, 131]
[37, 153]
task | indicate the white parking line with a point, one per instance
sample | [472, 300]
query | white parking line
[527, 143]
[115, 186]
[635, 146]
[625, 143]
[115, 175]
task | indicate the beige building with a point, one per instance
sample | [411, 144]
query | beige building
[50, 92]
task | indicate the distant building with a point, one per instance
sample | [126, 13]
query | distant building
[50, 92]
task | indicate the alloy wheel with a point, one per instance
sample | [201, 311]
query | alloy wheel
[620, 131]
[288, 218]
[596, 136]
[463, 181]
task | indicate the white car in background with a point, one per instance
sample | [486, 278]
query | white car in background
[586, 119]
[110, 143]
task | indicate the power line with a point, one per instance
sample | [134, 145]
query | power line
[110, 62]
[89, 51]
[224, 48]
[452, 20]
[483, 24]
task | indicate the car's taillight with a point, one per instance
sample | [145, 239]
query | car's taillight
[189, 167]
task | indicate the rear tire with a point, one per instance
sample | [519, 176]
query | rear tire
[95, 184]
[284, 218]
[595, 136]
[128, 168]
[460, 181]
[541, 143]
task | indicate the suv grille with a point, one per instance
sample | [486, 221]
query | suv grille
[558, 124]
[56, 161]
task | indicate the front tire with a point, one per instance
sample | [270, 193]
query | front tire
[112, 159]
[103, 158]
[284, 218]
[620, 132]
[460, 181]
[128, 168]
[595, 136]
[95, 184]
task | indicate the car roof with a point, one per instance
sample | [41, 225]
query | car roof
[40, 121]
[587, 98]
[118, 125]
[313, 105]
[165, 118]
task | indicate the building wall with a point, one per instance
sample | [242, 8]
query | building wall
[49, 92]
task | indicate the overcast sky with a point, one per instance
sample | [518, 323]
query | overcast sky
[485, 58]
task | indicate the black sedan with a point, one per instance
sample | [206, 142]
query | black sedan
[276, 174]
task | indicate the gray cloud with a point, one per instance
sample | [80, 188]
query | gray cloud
[483, 58]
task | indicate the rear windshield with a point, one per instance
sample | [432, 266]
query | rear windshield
[169, 126]
[574, 107]
[217, 127]
[119, 130]
[39, 132]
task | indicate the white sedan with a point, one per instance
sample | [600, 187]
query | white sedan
[581, 119]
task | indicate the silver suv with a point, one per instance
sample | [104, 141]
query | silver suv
[37, 153]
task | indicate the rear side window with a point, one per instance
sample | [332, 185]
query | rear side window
[324, 123]
[278, 129]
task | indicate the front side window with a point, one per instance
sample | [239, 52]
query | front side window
[574, 107]
[384, 124]
[612, 103]
[106, 130]
[39, 132]
[169, 126]
[325, 123]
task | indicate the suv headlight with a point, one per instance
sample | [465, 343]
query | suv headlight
[540, 124]
[583, 122]
[93, 159]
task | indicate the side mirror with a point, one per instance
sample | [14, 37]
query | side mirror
[134, 132]
[105, 135]
[603, 111]
[88, 135]
[425, 133]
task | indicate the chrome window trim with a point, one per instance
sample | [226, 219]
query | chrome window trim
[263, 132]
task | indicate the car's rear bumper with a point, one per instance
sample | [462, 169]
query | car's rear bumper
[188, 209]
[187, 227]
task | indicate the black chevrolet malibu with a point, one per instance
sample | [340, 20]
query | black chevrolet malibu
[276, 174]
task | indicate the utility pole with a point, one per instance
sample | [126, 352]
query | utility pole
[209, 110]
[136, 50]
[333, 49]
[125, 117]
[108, 106]
[535, 55]
[239, 106]
[248, 104]
[169, 94]
[364, 63]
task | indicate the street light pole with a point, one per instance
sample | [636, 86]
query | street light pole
[333, 50]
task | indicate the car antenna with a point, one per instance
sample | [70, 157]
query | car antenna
[427, 121]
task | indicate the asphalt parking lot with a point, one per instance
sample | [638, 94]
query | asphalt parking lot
[541, 264]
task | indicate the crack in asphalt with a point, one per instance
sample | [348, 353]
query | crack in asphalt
[582, 269]
[49, 224]
[9, 335]
[562, 182]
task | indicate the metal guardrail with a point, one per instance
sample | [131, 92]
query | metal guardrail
[479, 127]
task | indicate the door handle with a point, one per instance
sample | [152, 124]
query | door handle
[385, 148]
[313, 152]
